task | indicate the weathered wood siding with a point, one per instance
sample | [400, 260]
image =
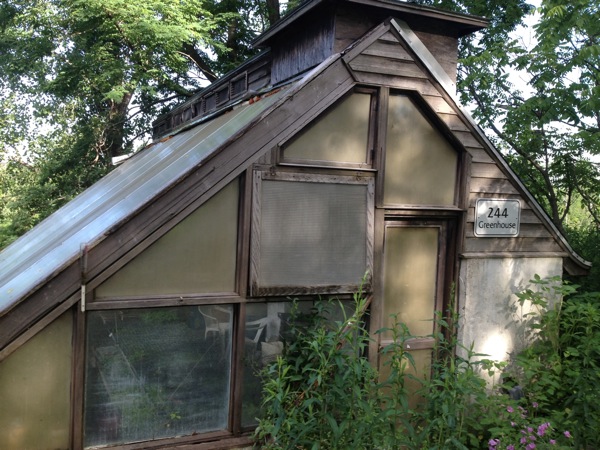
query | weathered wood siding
[389, 62]
[302, 48]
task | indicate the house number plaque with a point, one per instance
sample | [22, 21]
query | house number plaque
[497, 217]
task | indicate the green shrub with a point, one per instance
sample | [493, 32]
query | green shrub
[323, 393]
[560, 370]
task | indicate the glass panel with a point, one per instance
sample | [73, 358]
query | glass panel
[420, 164]
[267, 328]
[183, 260]
[410, 277]
[341, 134]
[312, 234]
[153, 373]
[35, 390]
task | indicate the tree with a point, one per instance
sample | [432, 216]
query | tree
[81, 81]
[548, 129]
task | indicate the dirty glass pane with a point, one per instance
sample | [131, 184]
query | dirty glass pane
[155, 373]
[268, 327]
[340, 135]
[312, 234]
[35, 390]
[410, 277]
[420, 165]
[182, 261]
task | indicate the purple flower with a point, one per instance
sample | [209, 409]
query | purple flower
[552, 442]
[510, 447]
[535, 404]
[523, 440]
[492, 443]
[531, 446]
[542, 428]
[510, 409]
[568, 434]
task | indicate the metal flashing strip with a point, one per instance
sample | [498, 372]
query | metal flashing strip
[449, 87]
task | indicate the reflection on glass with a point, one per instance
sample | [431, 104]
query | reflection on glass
[268, 329]
[155, 373]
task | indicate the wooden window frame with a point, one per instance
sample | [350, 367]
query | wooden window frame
[420, 103]
[311, 177]
[370, 150]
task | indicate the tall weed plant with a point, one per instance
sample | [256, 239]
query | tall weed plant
[560, 370]
[323, 393]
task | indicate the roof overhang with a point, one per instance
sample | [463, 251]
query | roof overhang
[461, 24]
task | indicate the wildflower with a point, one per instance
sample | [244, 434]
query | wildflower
[552, 442]
[510, 447]
[513, 424]
[531, 446]
[509, 409]
[523, 440]
[542, 428]
[492, 443]
[568, 434]
[535, 404]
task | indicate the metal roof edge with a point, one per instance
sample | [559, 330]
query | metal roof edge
[449, 88]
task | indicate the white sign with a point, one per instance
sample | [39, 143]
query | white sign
[497, 217]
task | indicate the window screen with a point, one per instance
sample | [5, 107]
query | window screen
[35, 390]
[312, 235]
[197, 256]
[340, 135]
[420, 164]
[155, 373]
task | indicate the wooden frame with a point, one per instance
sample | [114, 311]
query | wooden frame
[255, 286]
[444, 275]
[436, 124]
[370, 149]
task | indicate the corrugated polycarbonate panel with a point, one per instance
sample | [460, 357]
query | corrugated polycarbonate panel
[56, 241]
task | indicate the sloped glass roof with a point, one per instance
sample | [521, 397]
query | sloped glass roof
[56, 241]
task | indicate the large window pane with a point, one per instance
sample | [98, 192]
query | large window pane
[153, 373]
[268, 330]
[312, 235]
[340, 135]
[35, 388]
[183, 260]
[410, 277]
[420, 164]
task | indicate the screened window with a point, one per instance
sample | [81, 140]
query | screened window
[182, 261]
[155, 373]
[35, 390]
[420, 164]
[341, 135]
[311, 234]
